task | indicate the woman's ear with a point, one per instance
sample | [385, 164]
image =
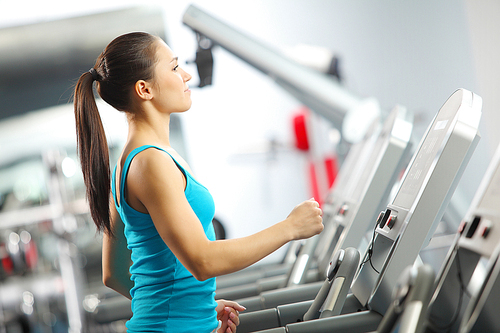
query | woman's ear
[143, 90]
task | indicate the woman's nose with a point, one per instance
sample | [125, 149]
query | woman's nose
[186, 76]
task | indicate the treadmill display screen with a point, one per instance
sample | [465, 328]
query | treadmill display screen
[374, 155]
[429, 149]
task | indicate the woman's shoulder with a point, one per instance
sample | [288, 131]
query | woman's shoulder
[148, 163]
[153, 174]
[151, 160]
[137, 151]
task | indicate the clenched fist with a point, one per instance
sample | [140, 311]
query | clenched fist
[305, 220]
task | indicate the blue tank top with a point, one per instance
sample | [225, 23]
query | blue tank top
[166, 297]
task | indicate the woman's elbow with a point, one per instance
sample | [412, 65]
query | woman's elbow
[202, 275]
[107, 280]
[202, 271]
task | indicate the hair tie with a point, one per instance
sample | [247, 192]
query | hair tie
[94, 74]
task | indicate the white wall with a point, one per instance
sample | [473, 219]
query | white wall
[484, 25]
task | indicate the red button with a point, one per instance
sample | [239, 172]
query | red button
[485, 232]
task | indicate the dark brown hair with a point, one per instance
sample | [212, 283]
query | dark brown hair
[127, 59]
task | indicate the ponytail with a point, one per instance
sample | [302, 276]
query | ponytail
[93, 152]
[125, 60]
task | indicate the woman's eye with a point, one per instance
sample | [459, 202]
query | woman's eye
[175, 68]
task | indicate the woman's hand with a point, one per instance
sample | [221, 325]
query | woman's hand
[227, 313]
[306, 220]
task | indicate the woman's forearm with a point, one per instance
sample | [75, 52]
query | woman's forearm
[208, 259]
[231, 255]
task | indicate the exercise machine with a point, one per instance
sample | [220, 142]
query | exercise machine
[410, 299]
[408, 223]
[256, 279]
[482, 313]
[373, 169]
[457, 301]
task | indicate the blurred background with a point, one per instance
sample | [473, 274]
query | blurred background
[238, 136]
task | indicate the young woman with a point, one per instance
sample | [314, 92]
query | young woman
[159, 246]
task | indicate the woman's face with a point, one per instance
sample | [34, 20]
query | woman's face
[170, 90]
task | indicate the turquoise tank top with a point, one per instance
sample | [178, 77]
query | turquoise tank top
[166, 297]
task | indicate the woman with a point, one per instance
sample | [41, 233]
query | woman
[159, 246]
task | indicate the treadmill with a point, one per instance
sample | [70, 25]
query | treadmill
[255, 279]
[467, 290]
[350, 216]
[410, 299]
[401, 231]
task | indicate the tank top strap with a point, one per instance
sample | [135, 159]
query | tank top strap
[113, 186]
[126, 166]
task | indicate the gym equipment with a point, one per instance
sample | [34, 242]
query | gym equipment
[260, 278]
[354, 217]
[453, 303]
[408, 223]
[362, 189]
[336, 285]
[406, 314]
[482, 313]
[28, 288]
[410, 299]
[365, 195]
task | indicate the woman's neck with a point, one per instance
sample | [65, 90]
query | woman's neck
[150, 129]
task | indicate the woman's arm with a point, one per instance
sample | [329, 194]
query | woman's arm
[157, 183]
[116, 257]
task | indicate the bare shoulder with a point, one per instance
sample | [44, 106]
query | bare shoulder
[153, 164]
[153, 174]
